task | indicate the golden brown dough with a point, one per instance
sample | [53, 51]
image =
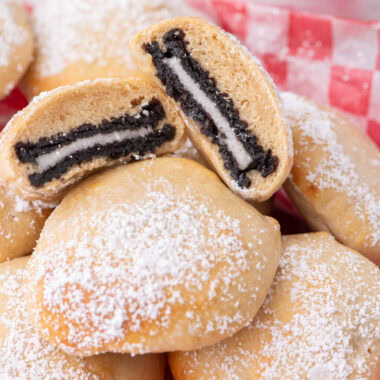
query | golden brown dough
[72, 131]
[320, 321]
[162, 257]
[78, 40]
[230, 105]
[335, 179]
[21, 222]
[16, 44]
[24, 355]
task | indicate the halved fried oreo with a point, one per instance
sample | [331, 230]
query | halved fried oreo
[72, 131]
[229, 102]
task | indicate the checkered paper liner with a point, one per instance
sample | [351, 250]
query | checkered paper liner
[333, 60]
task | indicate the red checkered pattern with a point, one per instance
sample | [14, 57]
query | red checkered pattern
[335, 61]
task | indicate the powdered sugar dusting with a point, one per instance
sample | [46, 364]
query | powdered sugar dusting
[321, 320]
[12, 206]
[23, 205]
[133, 263]
[11, 34]
[337, 171]
[93, 31]
[339, 310]
[23, 354]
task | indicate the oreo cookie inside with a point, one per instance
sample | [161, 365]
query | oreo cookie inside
[115, 138]
[200, 99]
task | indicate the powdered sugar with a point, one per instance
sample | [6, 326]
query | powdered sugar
[23, 205]
[337, 171]
[23, 354]
[321, 320]
[11, 34]
[93, 31]
[133, 263]
[12, 206]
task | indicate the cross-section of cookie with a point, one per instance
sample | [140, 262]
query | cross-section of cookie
[163, 257]
[72, 131]
[16, 44]
[25, 355]
[320, 321]
[229, 102]
[335, 179]
[21, 222]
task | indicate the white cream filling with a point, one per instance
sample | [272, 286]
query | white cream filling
[234, 145]
[48, 160]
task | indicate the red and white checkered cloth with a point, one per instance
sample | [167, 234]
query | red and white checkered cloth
[333, 60]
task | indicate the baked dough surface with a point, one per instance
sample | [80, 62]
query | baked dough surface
[23, 353]
[335, 181]
[154, 256]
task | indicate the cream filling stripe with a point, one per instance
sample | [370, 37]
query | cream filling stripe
[234, 145]
[49, 160]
